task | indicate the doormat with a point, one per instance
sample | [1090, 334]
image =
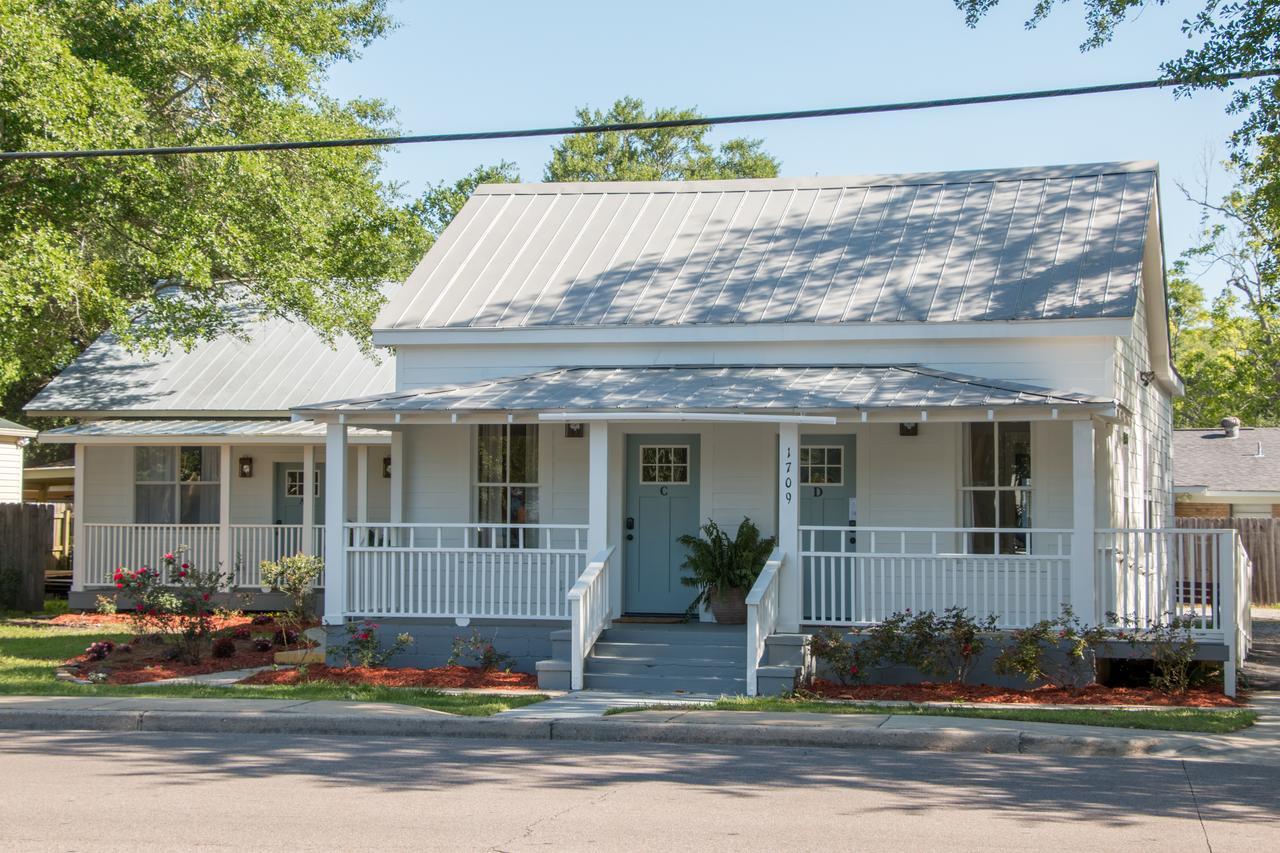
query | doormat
[649, 620]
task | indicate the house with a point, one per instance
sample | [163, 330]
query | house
[13, 437]
[197, 448]
[1230, 472]
[934, 389]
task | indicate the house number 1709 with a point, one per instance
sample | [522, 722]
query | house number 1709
[786, 476]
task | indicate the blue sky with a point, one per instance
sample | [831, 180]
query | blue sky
[472, 66]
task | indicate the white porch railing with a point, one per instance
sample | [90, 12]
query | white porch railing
[253, 543]
[463, 570]
[589, 611]
[762, 615]
[862, 575]
[107, 547]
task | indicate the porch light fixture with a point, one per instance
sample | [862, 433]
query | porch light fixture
[575, 430]
[386, 467]
[1146, 377]
[246, 466]
[909, 429]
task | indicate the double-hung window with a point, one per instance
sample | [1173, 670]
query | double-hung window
[507, 483]
[175, 485]
[997, 486]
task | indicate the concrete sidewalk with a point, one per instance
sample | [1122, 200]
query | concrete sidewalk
[577, 717]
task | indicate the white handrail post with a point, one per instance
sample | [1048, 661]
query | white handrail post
[763, 595]
[789, 525]
[397, 477]
[225, 557]
[1083, 593]
[1228, 615]
[79, 548]
[335, 545]
[308, 499]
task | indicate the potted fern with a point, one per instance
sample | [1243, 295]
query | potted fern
[724, 569]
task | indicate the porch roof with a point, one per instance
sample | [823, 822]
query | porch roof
[216, 431]
[710, 389]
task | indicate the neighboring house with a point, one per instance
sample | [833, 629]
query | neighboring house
[13, 437]
[934, 390]
[198, 448]
[49, 483]
[1227, 472]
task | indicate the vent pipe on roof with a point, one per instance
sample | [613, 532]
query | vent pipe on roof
[1259, 454]
[1230, 426]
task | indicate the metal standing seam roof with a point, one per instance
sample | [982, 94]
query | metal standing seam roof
[692, 388]
[1209, 460]
[196, 428]
[1011, 244]
[281, 364]
[10, 428]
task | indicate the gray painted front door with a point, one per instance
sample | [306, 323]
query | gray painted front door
[662, 505]
[827, 478]
[287, 500]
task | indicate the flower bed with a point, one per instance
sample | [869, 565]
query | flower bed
[440, 676]
[251, 642]
[1094, 694]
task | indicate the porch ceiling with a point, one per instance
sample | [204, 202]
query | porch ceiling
[711, 389]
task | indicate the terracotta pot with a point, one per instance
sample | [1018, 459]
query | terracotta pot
[730, 606]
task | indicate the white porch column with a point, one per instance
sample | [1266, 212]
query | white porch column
[1083, 550]
[308, 499]
[598, 489]
[397, 477]
[789, 527]
[79, 555]
[335, 509]
[362, 483]
[225, 472]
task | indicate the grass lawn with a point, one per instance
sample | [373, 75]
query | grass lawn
[29, 656]
[1171, 719]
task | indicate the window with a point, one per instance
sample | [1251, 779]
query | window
[821, 466]
[175, 485]
[293, 483]
[997, 485]
[507, 480]
[664, 463]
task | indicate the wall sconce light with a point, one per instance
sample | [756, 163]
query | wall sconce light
[574, 430]
[909, 429]
[246, 466]
[386, 467]
[1146, 377]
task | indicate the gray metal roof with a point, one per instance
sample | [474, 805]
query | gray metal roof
[8, 427]
[280, 365]
[710, 389]
[196, 428]
[1208, 459]
[1011, 244]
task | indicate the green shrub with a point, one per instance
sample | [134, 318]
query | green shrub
[1037, 653]
[1173, 652]
[106, 605]
[834, 649]
[716, 563]
[363, 648]
[480, 651]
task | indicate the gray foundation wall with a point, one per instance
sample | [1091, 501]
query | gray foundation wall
[526, 641]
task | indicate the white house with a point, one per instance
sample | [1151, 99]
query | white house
[934, 389]
[13, 437]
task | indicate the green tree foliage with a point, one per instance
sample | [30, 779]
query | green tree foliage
[83, 243]
[665, 154]
[441, 203]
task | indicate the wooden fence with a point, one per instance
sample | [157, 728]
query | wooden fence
[26, 539]
[1261, 540]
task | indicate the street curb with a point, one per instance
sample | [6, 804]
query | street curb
[590, 730]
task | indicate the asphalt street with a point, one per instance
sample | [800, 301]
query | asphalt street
[153, 791]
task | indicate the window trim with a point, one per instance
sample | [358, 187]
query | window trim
[688, 465]
[316, 480]
[506, 484]
[825, 465]
[177, 482]
[996, 489]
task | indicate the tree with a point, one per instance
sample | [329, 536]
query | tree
[84, 243]
[1232, 35]
[664, 154]
[441, 203]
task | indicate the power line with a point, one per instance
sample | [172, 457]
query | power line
[705, 121]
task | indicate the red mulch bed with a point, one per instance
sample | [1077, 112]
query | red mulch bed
[144, 658]
[1094, 694]
[93, 620]
[440, 676]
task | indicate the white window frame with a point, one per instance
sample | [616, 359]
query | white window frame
[506, 484]
[288, 474]
[805, 467]
[176, 483]
[966, 472]
[687, 465]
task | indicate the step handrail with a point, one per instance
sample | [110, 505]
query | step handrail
[589, 612]
[762, 614]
